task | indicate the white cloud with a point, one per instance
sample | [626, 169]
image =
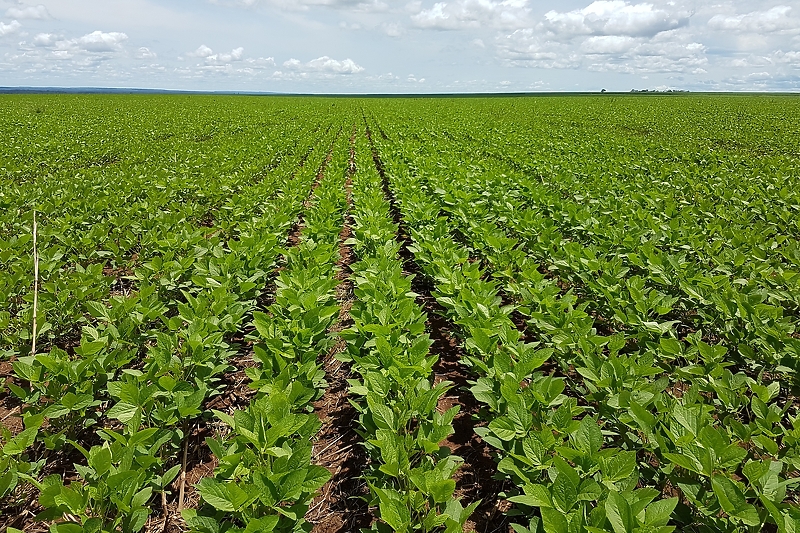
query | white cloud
[28, 12]
[235, 55]
[260, 62]
[384, 78]
[368, 6]
[666, 52]
[614, 17]
[324, 64]
[773, 20]
[466, 14]
[96, 44]
[45, 39]
[52, 56]
[202, 51]
[528, 48]
[608, 44]
[660, 55]
[791, 58]
[8, 29]
[145, 53]
[435, 18]
[778, 57]
[99, 41]
[209, 57]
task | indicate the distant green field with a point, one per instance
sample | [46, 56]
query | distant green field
[555, 314]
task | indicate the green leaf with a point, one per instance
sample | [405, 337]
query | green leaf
[124, 412]
[137, 519]
[72, 499]
[659, 512]
[565, 493]
[316, 477]
[671, 347]
[729, 495]
[214, 493]
[100, 459]
[643, 417]
[393, 510]
[588, 437]
[170, 475]
[21, 442]
[504, 428]
[554, 521]
[383, 417]
[141, 497]
[93, 525]
[259, 525]
[442, 490]
[291, 485]
[618, 512]
[66, 528]
[619, 466]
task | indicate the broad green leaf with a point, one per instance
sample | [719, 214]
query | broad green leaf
[618, 512]
[588, 437]
[215, 494]
[554, 521]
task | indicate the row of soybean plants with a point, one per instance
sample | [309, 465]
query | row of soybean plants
[696, 442]
[99, 214]
[265, 479]
[672, 293]
[716, 229]
[712, 248]
[410, 475]
[546, 443]
[684, 420]
[730, 262]
[755, 339]
[145, 367]
[659, 250]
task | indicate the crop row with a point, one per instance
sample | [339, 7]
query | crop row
[410, 475]
[687, 426]
[192, 295]
[265, 479]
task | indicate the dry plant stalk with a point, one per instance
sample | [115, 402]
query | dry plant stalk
[35, 282]
[182, 489]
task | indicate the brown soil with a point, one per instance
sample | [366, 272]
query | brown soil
[10, 406]
[123, 280]
[340, 506]
[474, 479]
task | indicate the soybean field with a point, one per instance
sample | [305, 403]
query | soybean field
[540, 314]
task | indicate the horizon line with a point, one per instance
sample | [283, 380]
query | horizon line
[85, 89]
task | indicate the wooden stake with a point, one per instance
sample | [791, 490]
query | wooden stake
[35, 282]
[183, 470]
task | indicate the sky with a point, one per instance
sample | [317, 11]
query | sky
[382, 46]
